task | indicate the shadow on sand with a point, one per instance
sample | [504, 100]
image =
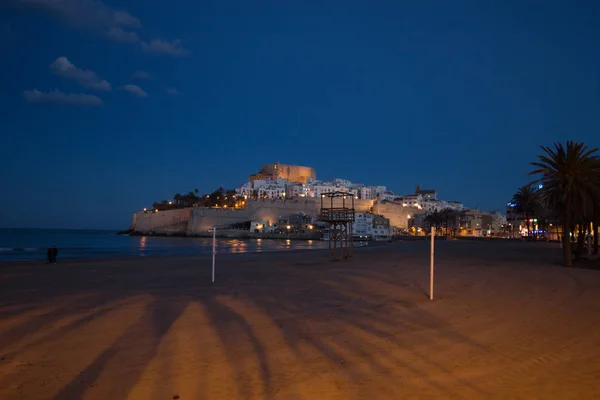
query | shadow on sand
[349, 317]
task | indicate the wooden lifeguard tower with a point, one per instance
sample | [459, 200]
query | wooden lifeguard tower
[337, 210]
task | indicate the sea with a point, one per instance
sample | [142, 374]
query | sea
[32, 244]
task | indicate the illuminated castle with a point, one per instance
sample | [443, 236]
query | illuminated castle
[293, 173]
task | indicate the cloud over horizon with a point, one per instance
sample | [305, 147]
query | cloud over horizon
[136, 90]
[89, 79]
[58, 97]
[161, 46]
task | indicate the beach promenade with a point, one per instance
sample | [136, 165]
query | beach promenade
[508, 322]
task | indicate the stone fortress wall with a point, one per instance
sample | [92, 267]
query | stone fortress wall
[164, 222]
[191, 221]
[293, 173]
[397, 213]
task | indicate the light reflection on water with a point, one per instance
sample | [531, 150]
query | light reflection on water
[164, 245]
[237, 246]
[21, 245]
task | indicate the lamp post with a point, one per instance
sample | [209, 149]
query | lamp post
[214, 252]
[431, 263]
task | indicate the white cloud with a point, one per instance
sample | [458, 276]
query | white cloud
[95, 16]
[135, 89]
[121, 35]
[172, 91]
[63, 67]
[89, 14]
[141, 74]
[79, 99]
[173, 48]
[123, 18]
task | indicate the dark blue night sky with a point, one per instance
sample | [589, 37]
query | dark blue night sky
[453, 95]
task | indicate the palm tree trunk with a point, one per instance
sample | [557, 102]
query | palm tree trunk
[567, 258]
[580, 243]
[595, 233]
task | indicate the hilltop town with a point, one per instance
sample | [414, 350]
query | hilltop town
[285, 199]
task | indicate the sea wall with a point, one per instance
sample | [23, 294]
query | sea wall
[192, 221]
[133, 222]
[204, 219]
[163, 222]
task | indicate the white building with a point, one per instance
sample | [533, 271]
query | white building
[363, 225]
[366, 193]
[381, 233]
[259, 226]
[498, 221]
[381, 228]
[322, 188]
[388, 196]
[299, 190]
[412, 200]
[268, 188]
[245, 190]
[342, 182]
[378, 190]
[281, 188]
[455, 205]
[433, 205]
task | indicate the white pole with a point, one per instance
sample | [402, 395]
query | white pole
[431, 264]
[214, 252]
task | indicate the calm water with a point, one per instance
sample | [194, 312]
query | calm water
[31, 244]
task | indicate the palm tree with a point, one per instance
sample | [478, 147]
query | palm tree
[430, 219]
[448, 216]
[570, 179]
[191, 198]
[596, 228]
[177, 198]
[434, 219]
[526, 201]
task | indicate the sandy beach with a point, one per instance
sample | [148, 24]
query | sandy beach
[508, 322]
